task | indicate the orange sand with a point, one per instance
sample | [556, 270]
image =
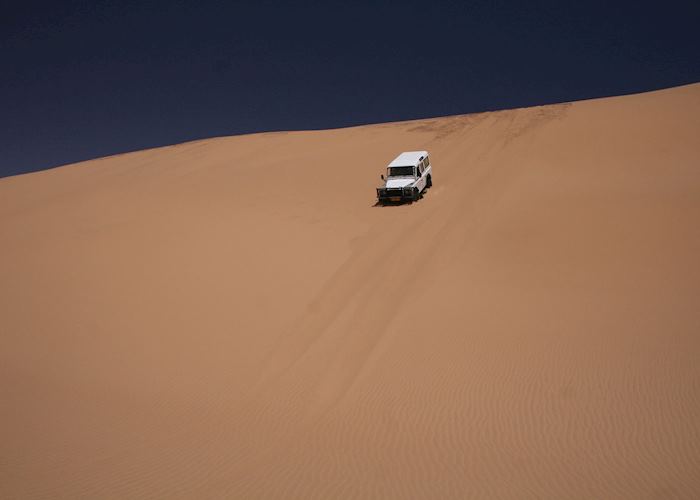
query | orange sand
[233, 318]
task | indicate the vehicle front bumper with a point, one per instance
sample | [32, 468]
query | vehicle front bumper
[394, 194]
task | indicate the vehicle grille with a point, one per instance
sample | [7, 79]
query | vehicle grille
[393, 192]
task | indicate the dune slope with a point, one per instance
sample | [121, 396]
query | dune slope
[234, 318]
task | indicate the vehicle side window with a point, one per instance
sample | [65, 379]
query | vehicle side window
[427, 161]
[420, 168]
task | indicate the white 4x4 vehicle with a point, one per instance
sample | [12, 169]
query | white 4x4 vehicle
[407, 177]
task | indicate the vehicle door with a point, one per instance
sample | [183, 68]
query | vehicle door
[427, 169]
[421, 177]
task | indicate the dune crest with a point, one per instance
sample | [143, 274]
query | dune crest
[234, 318]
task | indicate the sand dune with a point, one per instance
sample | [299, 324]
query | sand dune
[233, 318]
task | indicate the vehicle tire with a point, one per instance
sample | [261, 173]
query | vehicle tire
[415, 195]
[429, 182]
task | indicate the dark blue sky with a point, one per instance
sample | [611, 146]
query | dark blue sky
[83, 79]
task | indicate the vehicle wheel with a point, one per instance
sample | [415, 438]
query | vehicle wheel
[429, 182]
[415, 195]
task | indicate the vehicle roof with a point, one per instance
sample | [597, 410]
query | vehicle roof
[408, 158]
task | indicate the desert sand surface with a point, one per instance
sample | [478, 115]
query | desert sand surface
[234, 318]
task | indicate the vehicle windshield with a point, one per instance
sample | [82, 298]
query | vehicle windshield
[400, 171]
